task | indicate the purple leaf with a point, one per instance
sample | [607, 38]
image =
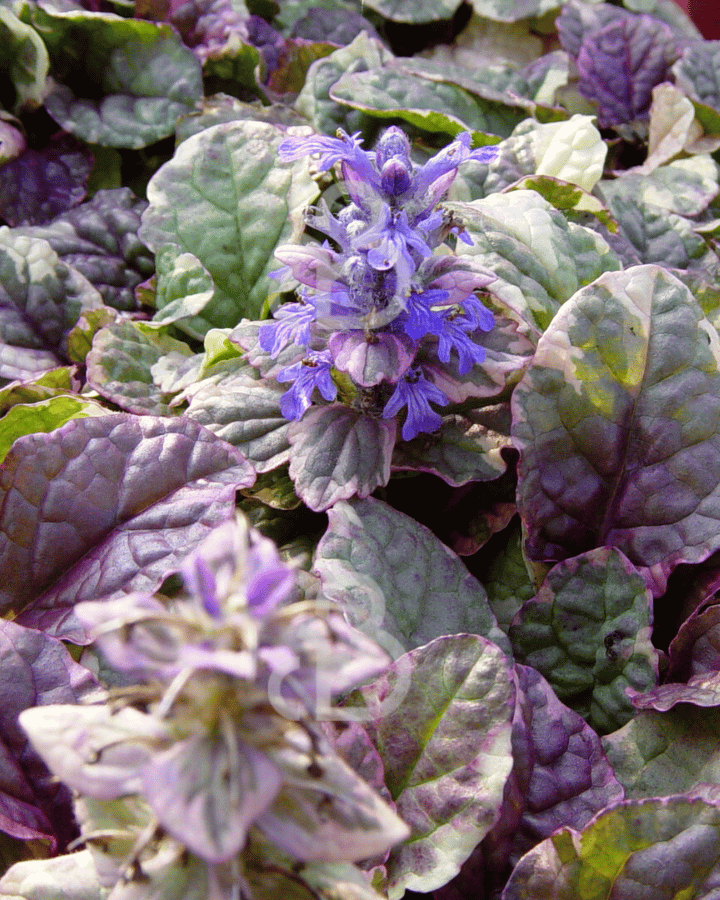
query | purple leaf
[700, 690]
[620, 57]
[616, 423]
[337, 452]
[104, 506]
[386, 357]
[620, 64]
[696, 647]
[564, 776]
[39, 184]
[99, 239]
[35, 670]
[41, 298]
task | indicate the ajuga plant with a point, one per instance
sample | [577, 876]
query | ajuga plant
[387, 323]
[206, 771]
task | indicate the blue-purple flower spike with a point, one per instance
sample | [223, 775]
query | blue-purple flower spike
[378, 274]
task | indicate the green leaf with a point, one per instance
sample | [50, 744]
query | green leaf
[414, 11]
[183, 287]
[226, 199]
[588, 631]
[52, 383]
[397, 581]
[314, 100]
[390, 92]
[44, 416]
[625, 390]
[441, 719]
[80, 337]
[540, 258]
[24, 54]
[234, 67]
[142, 72]
[568, 198]
[641, 849]
[126, 364]
[507, 582]
[666, 752]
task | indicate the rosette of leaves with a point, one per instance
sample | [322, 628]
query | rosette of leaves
[387, 327]
[207, 773]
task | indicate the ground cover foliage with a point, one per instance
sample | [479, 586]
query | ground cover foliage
[359, 450]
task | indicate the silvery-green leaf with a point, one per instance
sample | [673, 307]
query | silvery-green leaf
[337, 452]
[183, 287]
[666, 752]
[539, 257]
[314, 101]
[122, 366]
[696, 73]
[685, 187]
[226, 199]
[242, 408]
[145, 75]
[396, 581]
[462, 450]
[441, 719]
[391, 92]
[512, 10]
[414, 11]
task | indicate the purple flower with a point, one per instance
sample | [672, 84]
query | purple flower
[291, 325]
[218, 748]
[416, 393]
[376, 273]
[311, 372]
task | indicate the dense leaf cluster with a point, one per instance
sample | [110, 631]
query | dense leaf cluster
[359, 440]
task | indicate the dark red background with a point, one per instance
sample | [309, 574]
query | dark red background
[705, 14]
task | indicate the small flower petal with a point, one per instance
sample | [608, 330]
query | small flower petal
[416, 393]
